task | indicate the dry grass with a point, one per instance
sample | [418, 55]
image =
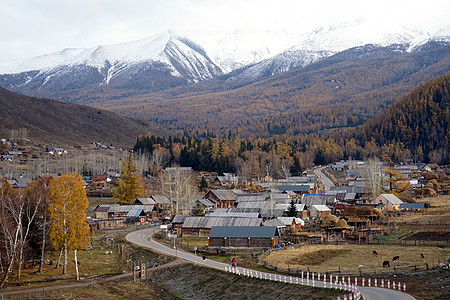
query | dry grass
[349, 257]
[438, 213]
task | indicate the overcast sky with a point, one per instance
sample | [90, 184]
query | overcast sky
[34, 27]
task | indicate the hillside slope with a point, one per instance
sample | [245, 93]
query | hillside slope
[55, 122]
[420, 120]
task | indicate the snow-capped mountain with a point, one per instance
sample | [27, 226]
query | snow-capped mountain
[175, 58]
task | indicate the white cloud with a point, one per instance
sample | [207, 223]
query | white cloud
[35, 27]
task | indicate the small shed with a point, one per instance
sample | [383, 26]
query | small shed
[244, 236]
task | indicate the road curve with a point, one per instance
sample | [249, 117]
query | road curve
[144, 239]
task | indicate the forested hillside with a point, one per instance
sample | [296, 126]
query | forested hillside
[416, 127]
[420, 121]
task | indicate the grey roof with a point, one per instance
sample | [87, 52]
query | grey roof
[234, 214]
[288, 220]
[350, 189]
[253, 204]
[206, 202]
[236, 209]
[251, 197]
[224, 194]
[244, 232]
[117, 208]
[209, 222]
[285, 207]
[414, 205]
[274, 222]
[101, 208]
[179, 219]
[160, 199]
[145, 201]
[268, 213]
[321, 208]
[391, 198]
[134, 213]
[294, 188]
[317, 199]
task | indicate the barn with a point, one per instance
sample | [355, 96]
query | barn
[243, 236]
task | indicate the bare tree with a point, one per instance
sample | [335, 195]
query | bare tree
[11, 216]
[179, 187]
[373, 172]
[286, 168]
[142, 162]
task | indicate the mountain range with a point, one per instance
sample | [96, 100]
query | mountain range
[263, 82]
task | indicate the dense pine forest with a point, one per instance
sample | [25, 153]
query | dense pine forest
[414, 128]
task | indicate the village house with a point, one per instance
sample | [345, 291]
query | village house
[388, 201]
[221, 198]
[292, 223]
[201, 226]
[244, 236]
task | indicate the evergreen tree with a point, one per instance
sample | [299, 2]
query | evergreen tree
[198, 209]
[296, 168]
[130, 185]
[203, 184]
[292, 210]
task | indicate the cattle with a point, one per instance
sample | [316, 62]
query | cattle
[396, 258]
[386, 264]
[374, 252]
[421, 255]
[441, 246]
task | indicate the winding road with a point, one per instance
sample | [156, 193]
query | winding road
[144, 239]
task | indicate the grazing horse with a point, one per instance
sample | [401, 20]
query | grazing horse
[396, 258]
[441, 246]
[421, 255]
[374, 252]
[386, 264]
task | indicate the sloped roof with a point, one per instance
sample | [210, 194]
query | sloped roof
[209, 222]
[288, 220]
[414, 205]
[391, 198]
[243, 232]
[299, 207]
[223, 195]
[253, 204]
[101, 208]
[267, 212]
[274, 222]
[145, 201]
[134, 213]
[161, 199]
[294, 188]
[234, 214]
[317, 199]
[206, 202]
[251, 197]
[321, 207]
[178, 219]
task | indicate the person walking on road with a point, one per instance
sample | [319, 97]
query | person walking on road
[233, 263]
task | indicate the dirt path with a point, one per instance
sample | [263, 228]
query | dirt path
[16, 291]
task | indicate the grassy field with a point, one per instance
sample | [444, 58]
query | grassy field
[328, 258]
[437, 213]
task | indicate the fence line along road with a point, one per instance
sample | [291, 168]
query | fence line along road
[144, 239]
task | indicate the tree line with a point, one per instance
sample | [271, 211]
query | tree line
[414, 128]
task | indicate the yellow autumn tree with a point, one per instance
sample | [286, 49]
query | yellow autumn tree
[130, 184]
[67, 214]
